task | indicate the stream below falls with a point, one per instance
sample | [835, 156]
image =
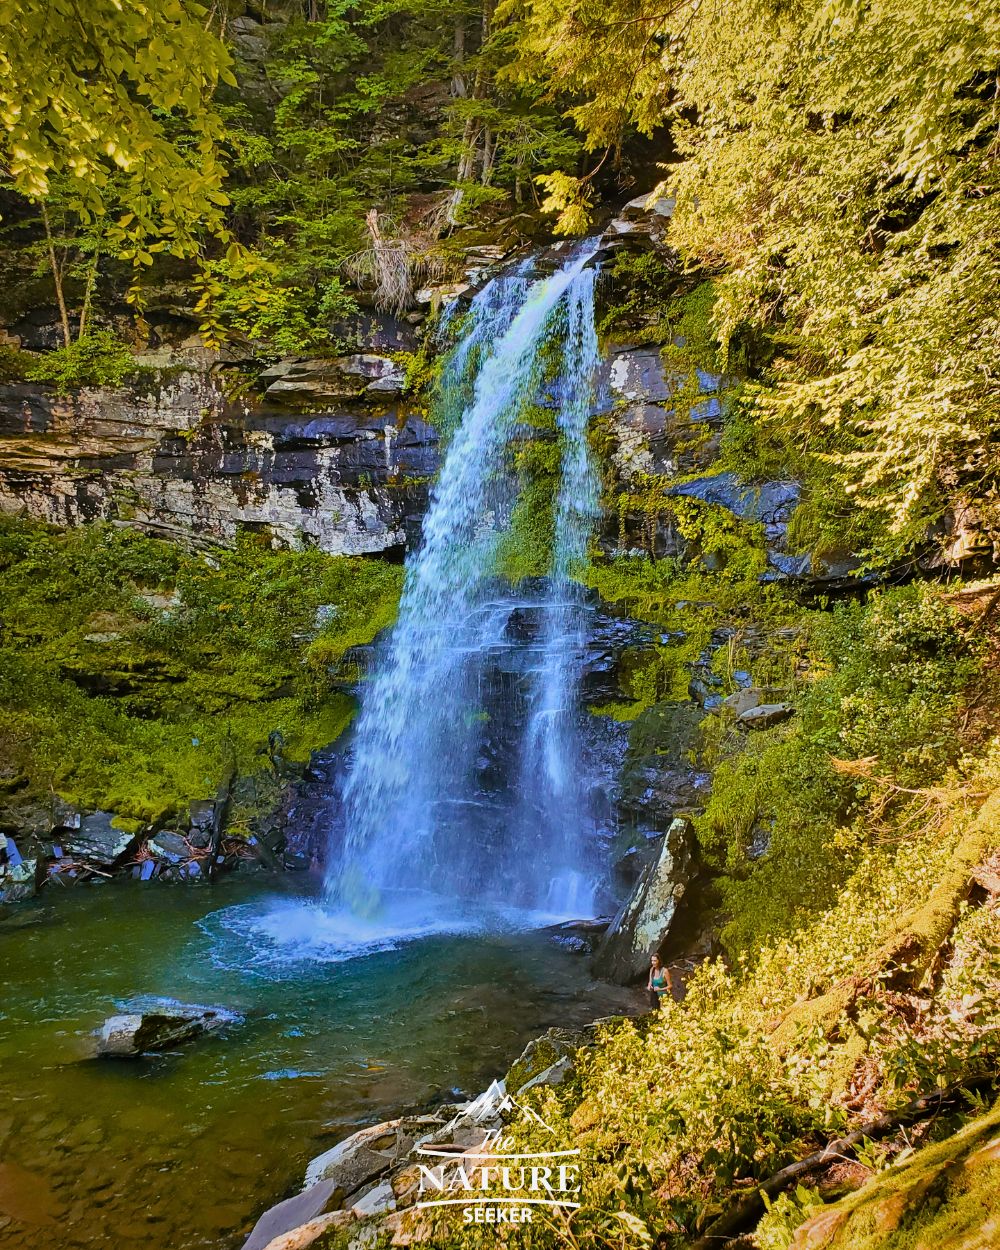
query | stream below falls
[181, 1152]
[471, 816]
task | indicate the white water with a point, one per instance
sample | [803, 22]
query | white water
[466, 784]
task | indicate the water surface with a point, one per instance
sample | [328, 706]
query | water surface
[342, 1028]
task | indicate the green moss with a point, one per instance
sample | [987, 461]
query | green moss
[642, 288]
[945, 1197]
[99, 358]
[525, 550]
[14, 364]
[133, 672]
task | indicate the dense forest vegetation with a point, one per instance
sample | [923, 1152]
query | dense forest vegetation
[834, 255]
[834, 164]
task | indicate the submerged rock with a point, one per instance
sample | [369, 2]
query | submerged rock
[289, 1223]
[159, 1024]
[644, 921]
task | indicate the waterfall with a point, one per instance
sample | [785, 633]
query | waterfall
[466, 781]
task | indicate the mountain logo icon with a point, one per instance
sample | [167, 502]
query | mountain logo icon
[479, 1169]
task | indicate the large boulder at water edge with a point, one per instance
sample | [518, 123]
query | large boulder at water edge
[98, 840]
[345, 1183]
[642, 924]
[151, 1025]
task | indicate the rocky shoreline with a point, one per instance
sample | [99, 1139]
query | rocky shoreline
[371, 1184]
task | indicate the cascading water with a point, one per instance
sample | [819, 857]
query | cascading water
[466, 781]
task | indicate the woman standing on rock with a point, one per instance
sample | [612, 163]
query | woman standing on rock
[660, 983]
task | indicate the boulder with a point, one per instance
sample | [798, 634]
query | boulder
[379, 1200]
[579, 936]
[98, 841]
[306, 1234]
[19, 877]
[546, 1060]
[157, 1024]
[645, 216]
[173, 847]
[640, 209]
[642, 924]
[743, 701]
[363, 1156]
[764, 715]
[201, 813]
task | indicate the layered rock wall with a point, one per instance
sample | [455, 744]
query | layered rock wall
[330, 455]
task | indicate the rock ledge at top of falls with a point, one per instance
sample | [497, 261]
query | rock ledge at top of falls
[646, 215]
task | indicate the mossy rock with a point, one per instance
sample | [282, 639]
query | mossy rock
[947, 1197]
[540, 1054]
[665, 729]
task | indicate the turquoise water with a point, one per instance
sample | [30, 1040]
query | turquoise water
[184, 1151]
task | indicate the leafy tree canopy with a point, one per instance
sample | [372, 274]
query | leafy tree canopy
[839, 167]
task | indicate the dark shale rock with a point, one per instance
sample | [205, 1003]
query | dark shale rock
[173, 847]
[771, 503]
[97, 841]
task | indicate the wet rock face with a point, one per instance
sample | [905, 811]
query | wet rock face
[639, 929]
[328, 454]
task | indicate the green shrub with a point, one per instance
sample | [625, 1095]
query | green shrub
[99, 358]
[784, 825]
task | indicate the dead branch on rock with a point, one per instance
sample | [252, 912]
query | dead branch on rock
[745, 1213]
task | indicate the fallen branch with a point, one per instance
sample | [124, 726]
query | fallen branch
[744, 1215]
[220, 817]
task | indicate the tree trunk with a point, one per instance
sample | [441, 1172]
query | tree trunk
[57, 278]
[470, 137]
[489, 155]
[88, 294]
[459, 87]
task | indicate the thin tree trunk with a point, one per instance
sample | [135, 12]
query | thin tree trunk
[489, 155]
[88, 295]
[57, 278]
[470, 137]
[459, 87]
